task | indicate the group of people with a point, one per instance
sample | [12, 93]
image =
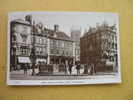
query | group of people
[25, 68]
[69, 69]
[77, 66]
[87, 68]
[78, 69]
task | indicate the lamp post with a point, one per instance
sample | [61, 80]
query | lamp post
[33, 58]
[33, 50]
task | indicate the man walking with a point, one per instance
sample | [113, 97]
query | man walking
[92, 71]
[70, 68]
[78, 68]
[86, 67]
[25, 68]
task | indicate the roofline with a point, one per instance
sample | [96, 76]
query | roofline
[14, 21]
[52, 37]
[60, 39]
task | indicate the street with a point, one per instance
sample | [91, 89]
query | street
[19, 75]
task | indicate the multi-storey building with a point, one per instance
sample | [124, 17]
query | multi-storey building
[33, 43]
[75, 35]
[99, 46]
[61, 47]
[40, 43]
[20, 45]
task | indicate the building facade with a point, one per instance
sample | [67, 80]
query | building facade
[31, 44]
[20, 45]
[75, 35]
[99, 46]
[40, 43]
[61, 47]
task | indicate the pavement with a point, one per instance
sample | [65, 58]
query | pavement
[19, 75]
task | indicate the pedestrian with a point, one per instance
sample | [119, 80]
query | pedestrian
[92, 71]
[70, 65]
[65, 68]
[78, 68]
[86, 69]
[25, 68]
[39, 67]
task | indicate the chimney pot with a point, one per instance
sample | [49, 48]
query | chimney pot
[56, 28]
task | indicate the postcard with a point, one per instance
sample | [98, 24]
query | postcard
[63, 48]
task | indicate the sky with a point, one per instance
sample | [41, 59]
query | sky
[69, 20]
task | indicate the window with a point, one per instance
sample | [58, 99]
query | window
[37, 50]
[14, 38]
[62, 44]
[44, 41]
[44, 50]
[40, 41]
[24, 37]
[57, 43]
[25, 29]
[37, 40]
[40, 50]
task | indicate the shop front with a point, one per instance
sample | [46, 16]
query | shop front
[60, 63]
[22, 61]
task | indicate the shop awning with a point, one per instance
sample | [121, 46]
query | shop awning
[40, 60]
[24, 60]
[109, 63]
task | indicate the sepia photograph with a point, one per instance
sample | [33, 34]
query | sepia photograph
[63, 48]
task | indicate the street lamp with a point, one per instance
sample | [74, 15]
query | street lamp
[33, 59]
[33, 51]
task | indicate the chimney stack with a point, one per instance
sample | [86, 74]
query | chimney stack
[28, 18]
[56, 28]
